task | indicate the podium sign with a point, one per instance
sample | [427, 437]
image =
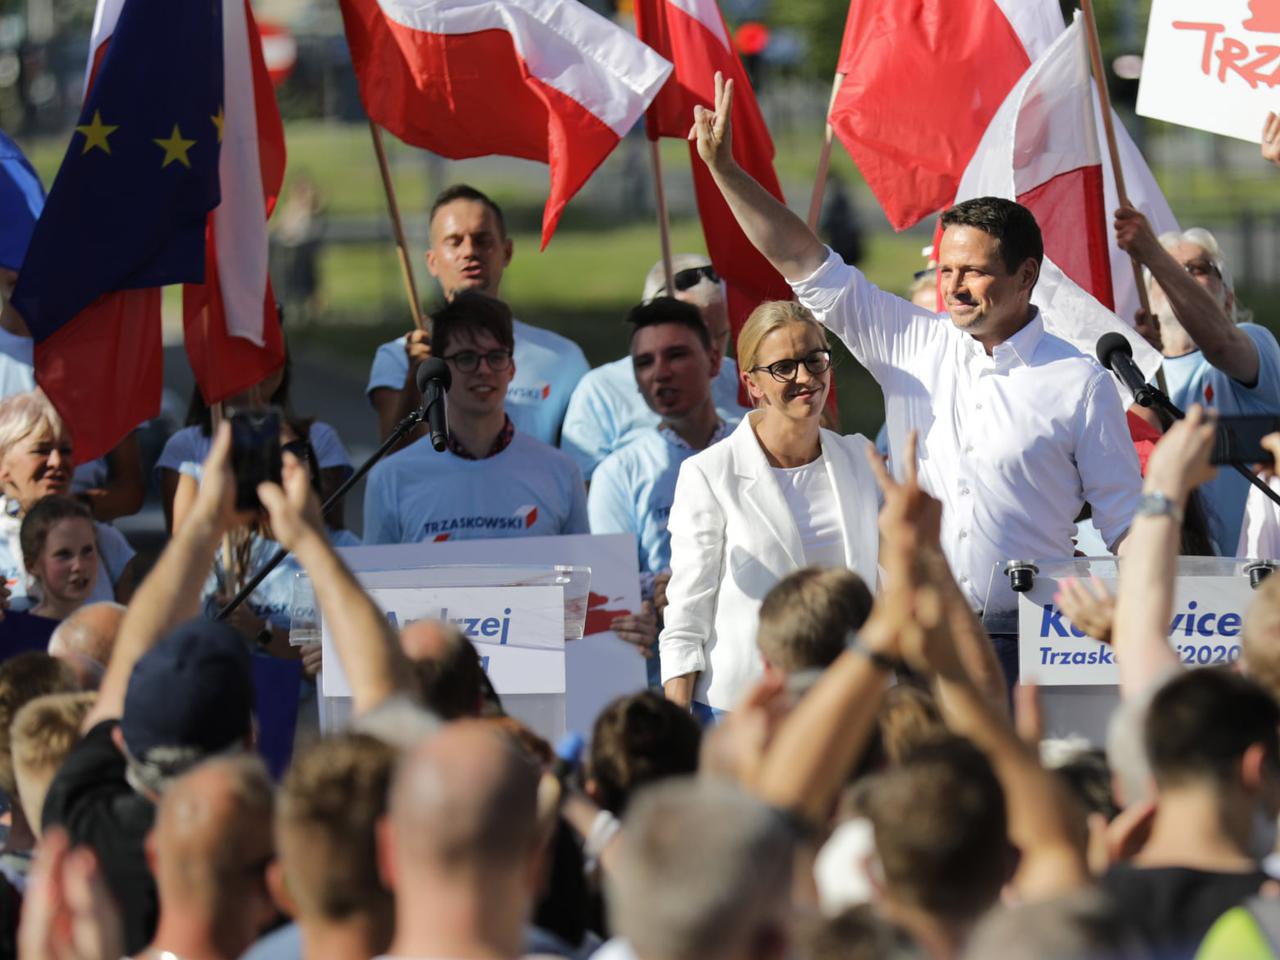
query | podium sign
[517, 631]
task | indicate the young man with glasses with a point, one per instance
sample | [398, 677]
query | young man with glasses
[1018, 428]
[470, 250]
[1211, 358]
[493, 480]
[608, 409]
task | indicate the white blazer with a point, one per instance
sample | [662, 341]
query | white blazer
[733, 537]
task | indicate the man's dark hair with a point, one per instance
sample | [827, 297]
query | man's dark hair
[467, 313]
[462, 191]
[1201, 722]
[1012, 224]
[452, 684]
[637, 740]
[941, 830]
[662, 310]
[806, 617]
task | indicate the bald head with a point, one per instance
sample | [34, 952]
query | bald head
[446, 668]
[89, 635]
[465, 799]
[212, 826]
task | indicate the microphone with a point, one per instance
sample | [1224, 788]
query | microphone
[1116, 354]
[433, 379]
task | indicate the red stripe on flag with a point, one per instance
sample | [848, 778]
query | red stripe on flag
[1073, 220]
[471, 95]
[923, 78]
[104, 370]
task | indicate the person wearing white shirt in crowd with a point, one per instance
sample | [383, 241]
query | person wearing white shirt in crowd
[470, 250]
[1018, 428]
[633, 489]
[493, 480]
[778, 494]
[607, 410]
[35, 461]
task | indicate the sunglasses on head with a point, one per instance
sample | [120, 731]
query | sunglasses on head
[684, 279]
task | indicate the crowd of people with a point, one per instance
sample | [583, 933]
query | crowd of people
[832, 758]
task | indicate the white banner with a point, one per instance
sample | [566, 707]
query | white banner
[599, 667]
[1212, 66]
[518, 632]
[1207, 616]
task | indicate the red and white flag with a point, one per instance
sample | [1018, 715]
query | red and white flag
[1041, 149]
[546, 80]
[230, 324]
[692, 35]
[922, 79]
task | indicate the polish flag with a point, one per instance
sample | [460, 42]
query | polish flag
[230, 324]
[922, 79]
[692, 35]
[1041, 149]
[546, 80]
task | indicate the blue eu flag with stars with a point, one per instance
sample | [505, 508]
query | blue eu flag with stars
[127, 209]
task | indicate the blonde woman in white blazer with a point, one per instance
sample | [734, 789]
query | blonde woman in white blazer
[778, 494]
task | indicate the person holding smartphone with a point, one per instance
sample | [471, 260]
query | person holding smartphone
[778, 494]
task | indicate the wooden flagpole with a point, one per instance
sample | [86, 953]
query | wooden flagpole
[393, 208]
[824, 161]
[229, 572]
[1109, 130]
[664, 219]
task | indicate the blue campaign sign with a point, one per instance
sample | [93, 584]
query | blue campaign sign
[1205, 630]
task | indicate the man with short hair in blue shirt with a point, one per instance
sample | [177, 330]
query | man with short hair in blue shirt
[1210, 357]
[607, 411]
[493, 480]
[675, 365]
[470, 250]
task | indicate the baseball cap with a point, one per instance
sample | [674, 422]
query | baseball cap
[189, 697]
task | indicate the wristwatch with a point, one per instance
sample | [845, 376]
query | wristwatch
[1157, 504]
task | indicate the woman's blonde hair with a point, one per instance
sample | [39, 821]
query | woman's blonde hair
[765, 319]
[22, 414]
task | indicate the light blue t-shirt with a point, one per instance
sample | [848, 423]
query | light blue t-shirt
[114, 554]
[607, 411]
[273, 597]
[633, 489]
[548, 367]
[190, 446]
[530, 489]
[1192, 379]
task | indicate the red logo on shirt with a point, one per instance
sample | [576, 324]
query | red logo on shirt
[546, 391]
[530, 515]
[1208, 393]
[440, 538]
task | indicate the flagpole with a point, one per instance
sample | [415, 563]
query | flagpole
[229, 571]
[664, 220]
[393, 208]
[824, 160]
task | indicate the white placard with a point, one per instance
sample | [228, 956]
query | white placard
[1207, 616]
[600, 667]
[1212, 66]
[518, 632]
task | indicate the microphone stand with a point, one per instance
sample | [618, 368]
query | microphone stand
[401, 430]
[1152, 396]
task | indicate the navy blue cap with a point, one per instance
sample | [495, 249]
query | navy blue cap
[192, 693]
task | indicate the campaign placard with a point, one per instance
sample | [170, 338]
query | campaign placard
[1208, 613]
[1213, 66]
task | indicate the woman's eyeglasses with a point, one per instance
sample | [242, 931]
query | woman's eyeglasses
[786, 371]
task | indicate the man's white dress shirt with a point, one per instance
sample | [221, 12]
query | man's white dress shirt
[1013, 444]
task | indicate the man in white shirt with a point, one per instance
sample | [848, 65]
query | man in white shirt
[460, 848]
[470, 250]
[607, 410]
[493, 480]
[1018, 429]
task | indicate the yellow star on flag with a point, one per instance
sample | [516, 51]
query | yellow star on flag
[218, 121]
[96, 133]
[175, 148]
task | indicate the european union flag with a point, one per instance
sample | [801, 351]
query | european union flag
[127, 208]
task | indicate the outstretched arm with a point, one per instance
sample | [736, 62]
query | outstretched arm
[780, 235]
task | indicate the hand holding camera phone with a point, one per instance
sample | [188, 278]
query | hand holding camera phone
[255, 453]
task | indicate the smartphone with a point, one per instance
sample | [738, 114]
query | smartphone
[255, 453]
[1239, 439]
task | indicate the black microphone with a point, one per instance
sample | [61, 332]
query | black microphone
[1116, 354]
[433, 379]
